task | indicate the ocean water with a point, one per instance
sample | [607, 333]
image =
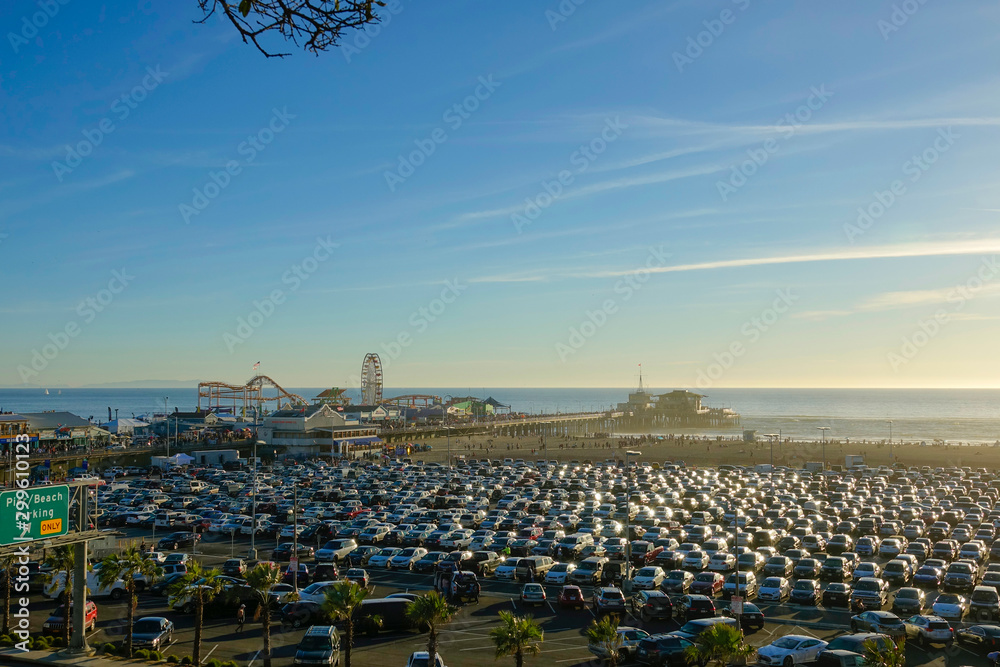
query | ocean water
[952, 415]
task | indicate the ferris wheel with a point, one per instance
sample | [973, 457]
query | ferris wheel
[371, 379]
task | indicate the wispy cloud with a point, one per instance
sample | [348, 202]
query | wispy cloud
[588, 190]
[907, 299]
[666, 126]
[977, 247]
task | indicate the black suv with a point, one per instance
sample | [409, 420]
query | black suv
[692, 607]
[661, 650]
[653, 605]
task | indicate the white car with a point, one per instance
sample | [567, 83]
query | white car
[950, 607]
[507, 570]
[316, 592]
[481, 543]
[383, 557]
[559, 573]
[420, 659]
[722, 561]
[799, 648]
[774, 589]
[867, 569]
[405, 559]
[696, 560]
[649, 577]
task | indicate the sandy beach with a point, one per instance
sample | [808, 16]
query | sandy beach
[708, 453]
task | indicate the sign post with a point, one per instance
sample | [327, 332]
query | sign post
[736, 605]
[34, 513]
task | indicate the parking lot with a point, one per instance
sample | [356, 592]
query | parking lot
[545, 496]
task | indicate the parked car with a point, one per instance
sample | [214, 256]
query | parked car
[882, 622]
[609, 600]
[572, 596]
[790, 650]
[57, 619]
[154, 632]
[652, 605]
[805, 591]
[983, 637]
[927, 629]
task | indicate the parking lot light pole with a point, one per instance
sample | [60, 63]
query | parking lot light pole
[295, 535]
[253, 527]
[823, 430]
[889, 422]
[771, 437]
[627, 584]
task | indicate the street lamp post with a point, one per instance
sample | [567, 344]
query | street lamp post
[166, 425]
[823, 430]
[771, 437]
[627, 584]
[253, 527]
[890, 440]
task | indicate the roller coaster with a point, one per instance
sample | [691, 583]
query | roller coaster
[220, 395]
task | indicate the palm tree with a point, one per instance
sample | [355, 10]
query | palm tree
[62, 560]
[126, 566]
[720, 644]
[892, 655]
[603, 632]
[342, 601]
[261, 580]
[430, 611]
[198, 585]
[516, 636]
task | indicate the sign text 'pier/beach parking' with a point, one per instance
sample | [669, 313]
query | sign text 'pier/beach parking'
[33, 514]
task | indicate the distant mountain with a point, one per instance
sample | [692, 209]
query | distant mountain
[145, 384]
[131, 384]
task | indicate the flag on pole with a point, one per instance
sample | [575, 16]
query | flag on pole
[256, 366]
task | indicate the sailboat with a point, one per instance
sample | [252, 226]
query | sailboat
[46, 392]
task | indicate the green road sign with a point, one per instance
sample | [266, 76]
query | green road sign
[34, 513]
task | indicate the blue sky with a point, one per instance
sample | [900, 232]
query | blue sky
[665, 244]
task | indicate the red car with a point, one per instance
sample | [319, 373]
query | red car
[572, 596]
[707, 583]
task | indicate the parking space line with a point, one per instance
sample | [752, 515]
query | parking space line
[250, 664]
[210, 653]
